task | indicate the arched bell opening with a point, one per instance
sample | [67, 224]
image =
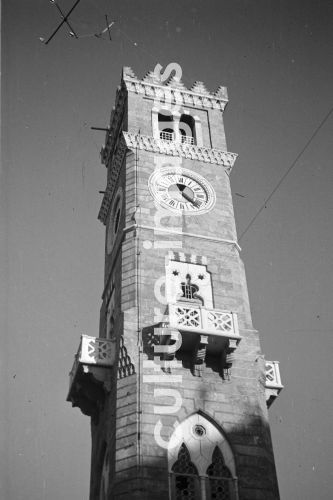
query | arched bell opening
[187, 129]
[166, 125]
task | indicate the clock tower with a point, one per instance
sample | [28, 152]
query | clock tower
[176, 385]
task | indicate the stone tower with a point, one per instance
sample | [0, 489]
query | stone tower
[176, 385]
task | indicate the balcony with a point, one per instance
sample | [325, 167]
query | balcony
[273, 384]
[90, 373]
[187, 317]
[219, 327]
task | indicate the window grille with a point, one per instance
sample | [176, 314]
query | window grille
[189, 290]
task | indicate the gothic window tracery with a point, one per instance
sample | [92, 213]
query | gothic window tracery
[186, 479]
[201, 462]
[219, 481]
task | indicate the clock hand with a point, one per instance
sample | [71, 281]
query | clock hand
[183, 191]
[190, 199]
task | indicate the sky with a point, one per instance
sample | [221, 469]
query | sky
[276, 59]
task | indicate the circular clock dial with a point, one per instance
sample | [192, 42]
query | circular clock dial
[181, 190]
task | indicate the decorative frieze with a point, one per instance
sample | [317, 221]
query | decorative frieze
[199, 97]
[172, 148]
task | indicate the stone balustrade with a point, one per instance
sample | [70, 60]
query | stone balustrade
[194, 318]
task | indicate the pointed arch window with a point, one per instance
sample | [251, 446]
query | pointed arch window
[219, 480]
[186, 485]
[201, 462]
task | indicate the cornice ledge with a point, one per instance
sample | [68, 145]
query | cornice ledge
[207, 155]
[176, 95]
[113, 174]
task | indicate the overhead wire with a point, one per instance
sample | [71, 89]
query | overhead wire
[264, 205]
[76, 21]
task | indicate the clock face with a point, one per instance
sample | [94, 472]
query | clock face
[181, 190]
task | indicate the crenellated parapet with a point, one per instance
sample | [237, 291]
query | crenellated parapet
[173, 90]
